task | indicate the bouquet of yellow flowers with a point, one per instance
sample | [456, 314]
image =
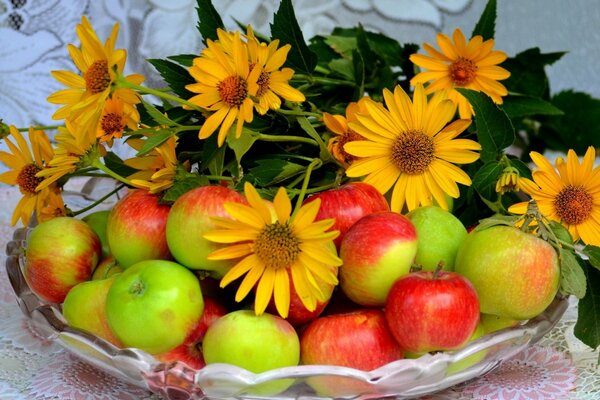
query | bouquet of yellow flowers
[281, 120]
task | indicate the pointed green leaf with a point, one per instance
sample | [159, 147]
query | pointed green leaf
[285, 28]
[495, 131]
[175, 76]
[183, 183]
[572, 277]
[487, 22]
[485, 179]
[273, 171]
[524, 170]
[527, 73]
[158, 116]
[593, 254]
[184, 59]
[209, 20]
[561, 232]
[587, 328]
[114, 163]
[521, 106]
[155, 140]
[241, 145]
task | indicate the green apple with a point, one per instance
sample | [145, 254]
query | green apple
[493, 323]
[257, 343]
[473, 358]
[153, 305]
[440, 234]
[97, 221]
[84, 308]
[107, 267]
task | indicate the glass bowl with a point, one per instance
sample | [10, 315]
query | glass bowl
[408, 378]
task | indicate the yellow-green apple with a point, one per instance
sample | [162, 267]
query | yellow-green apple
[84, 308]
[61, 253]
[429, 311]
[378, 249]
[107, 267]
[257, 343]
[136, 228]
[492, 323]
[190, 351]
[440, 234]
[97, 221]
[359, 339]
[190, 218]
[153, 305]
[347, 204]
[473, 359]
[515, 273]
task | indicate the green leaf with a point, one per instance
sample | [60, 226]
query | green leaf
[273, 171]
[175, 75]
[158, 117]
[593, 253]
[495, 131]
[310, 130]
[572, 277]
[114, 163]
[485, 179]
[521, 106]
[155, 140]
[343, 67]
[241, 145]
[342, 45]
[358, 65]
[487, 22]
[209, 20]
[524, 170]
[184, 59]
[527, 74]
[587, 328]
[561, 232]
[183, 183]
[505, 220]
[285, 28]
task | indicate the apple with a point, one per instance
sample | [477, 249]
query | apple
[347, 204]
[378, 249]
[429, 311]
[97, 221]
[189, 220]
[106, 268]
[492, 323]
[190, 351]
[153, 305]
[84, 308]
[359, 339]
[515, 273]
[257, 343]
[440, 234]
[473, 359]
[136, 228]
[60, 253]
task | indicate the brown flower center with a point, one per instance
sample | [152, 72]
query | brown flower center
[97, 77]
[463, 71]
[412, 152]
[263, 83]
[573, 204]
[349, 136]
[233, 90]
[112, 124]
[27, 180]
[277, 246]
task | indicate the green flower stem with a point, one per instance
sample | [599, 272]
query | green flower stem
[286, 138]
[100, 200]
[323, 80]
[299, 113]
[218, 178]
[98, 164]
[121, 82]
[316, 163]
[41, 128]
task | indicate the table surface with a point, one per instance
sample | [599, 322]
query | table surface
[559, 367]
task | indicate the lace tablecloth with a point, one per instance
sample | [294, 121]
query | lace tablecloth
[559, 367]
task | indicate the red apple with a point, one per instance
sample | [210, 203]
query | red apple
[189, 220]
[61, 253]
[106, 268]
[428, 311]
[190, 351]
[359, 339]
[378, 249]
[136, 229]
[347, 204]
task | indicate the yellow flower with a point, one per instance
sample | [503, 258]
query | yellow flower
[25, 164]
[271, 245]
[409, 146]
[116, 115]
[471, 65]
[157, 169]
[338, 124]
[273, 82]
[508, 181]
[569, 194]
[99, 64]
[225, 84]
[73, 145]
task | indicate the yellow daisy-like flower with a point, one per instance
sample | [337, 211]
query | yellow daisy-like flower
[271, 245]
[157, 169]
[225, 85]
[338, 124]
[73, 145]
[409, 146]
[471, 65]
[98, 64]
[25, 163]
[508, 181]
[116, 115]
[273, 82]
[569, 194]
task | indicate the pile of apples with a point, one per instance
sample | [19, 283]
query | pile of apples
[138, 276]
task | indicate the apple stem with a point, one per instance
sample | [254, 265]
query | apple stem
[416, 267]
[438, 269]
